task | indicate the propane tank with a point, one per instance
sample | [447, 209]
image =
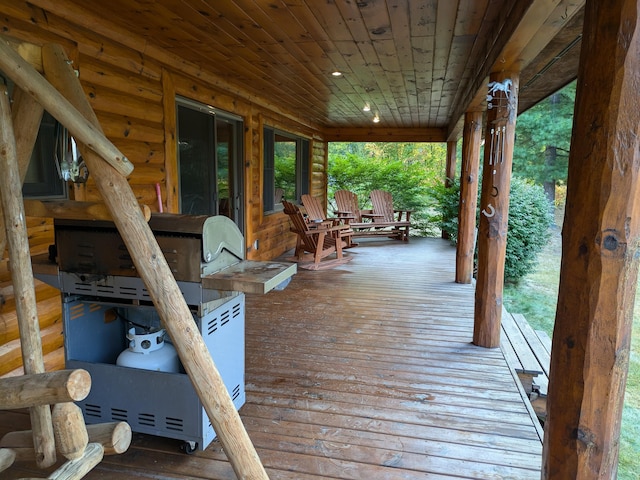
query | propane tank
[149, 351]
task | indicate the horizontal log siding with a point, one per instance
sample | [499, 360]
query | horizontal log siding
[125, 89]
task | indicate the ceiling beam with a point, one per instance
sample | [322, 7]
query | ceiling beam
[381, 134]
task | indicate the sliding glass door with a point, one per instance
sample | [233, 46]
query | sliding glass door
[210, 161]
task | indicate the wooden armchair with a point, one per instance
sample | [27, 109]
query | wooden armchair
[315, 214]
[348, 207]
[316, 240]
[385, 213]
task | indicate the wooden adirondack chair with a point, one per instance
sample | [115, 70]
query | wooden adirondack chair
[316, 240]
[367, 223]
[315, 214]
[384, 212]
[348, 206]
[314, 209]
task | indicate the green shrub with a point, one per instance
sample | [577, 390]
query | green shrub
[530, 218]
[529, 221]
[443, 211]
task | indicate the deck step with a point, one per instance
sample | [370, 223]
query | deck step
[528, 352]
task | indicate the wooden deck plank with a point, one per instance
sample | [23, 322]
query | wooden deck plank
[528, 362]
[362, 371]
[545, 339]
[537, 346]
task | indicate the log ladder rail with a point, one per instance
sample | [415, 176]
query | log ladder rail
[528, 352]
[109, 169]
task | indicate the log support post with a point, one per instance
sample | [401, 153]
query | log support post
[450, 172]
[69, 430]
[600, 251]
[22, 278]
[494, 205]
[26, 116]
[469, 171]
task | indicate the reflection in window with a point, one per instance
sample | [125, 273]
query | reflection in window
[286, 168]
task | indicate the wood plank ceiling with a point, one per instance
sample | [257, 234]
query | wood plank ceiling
[415, 63]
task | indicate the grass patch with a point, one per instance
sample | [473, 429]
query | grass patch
[629, 463]
[535, 297]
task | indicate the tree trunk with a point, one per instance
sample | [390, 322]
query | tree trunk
[550, 155]
[450, 173]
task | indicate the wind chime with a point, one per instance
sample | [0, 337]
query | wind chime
[498, 132]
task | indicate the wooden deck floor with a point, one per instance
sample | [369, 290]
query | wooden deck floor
[365, 371]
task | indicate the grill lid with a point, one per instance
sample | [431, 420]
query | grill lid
[222, 242]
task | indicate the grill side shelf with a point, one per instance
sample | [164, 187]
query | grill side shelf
[251, 277]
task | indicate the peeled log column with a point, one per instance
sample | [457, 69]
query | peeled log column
[22, 278]
[78, 468]
[32, 82]
[494, 205]
[163, 289]
[69, 429]
[26, 116]
[471, 137]
[600, 240]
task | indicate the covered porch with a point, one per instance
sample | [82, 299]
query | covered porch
[366, 370]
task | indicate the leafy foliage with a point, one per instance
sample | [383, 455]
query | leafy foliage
[285, 168]
[528, 230]
[404, 170]
[444, 203]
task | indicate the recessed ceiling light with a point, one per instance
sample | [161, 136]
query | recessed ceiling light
[376, 119]
[366, 108]
[336, 73]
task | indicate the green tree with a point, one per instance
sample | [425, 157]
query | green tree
[406, 170]
[528, 228]
[543, 136]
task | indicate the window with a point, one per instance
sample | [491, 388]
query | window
[286, 168]
[43, 179]
[209, 161]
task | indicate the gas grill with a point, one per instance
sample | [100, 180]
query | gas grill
[113, 331]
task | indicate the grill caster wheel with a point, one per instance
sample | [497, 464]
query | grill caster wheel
[189, 447]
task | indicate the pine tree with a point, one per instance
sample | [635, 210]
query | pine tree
[543, 137]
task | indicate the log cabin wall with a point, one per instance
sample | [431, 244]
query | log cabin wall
[133, 96]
